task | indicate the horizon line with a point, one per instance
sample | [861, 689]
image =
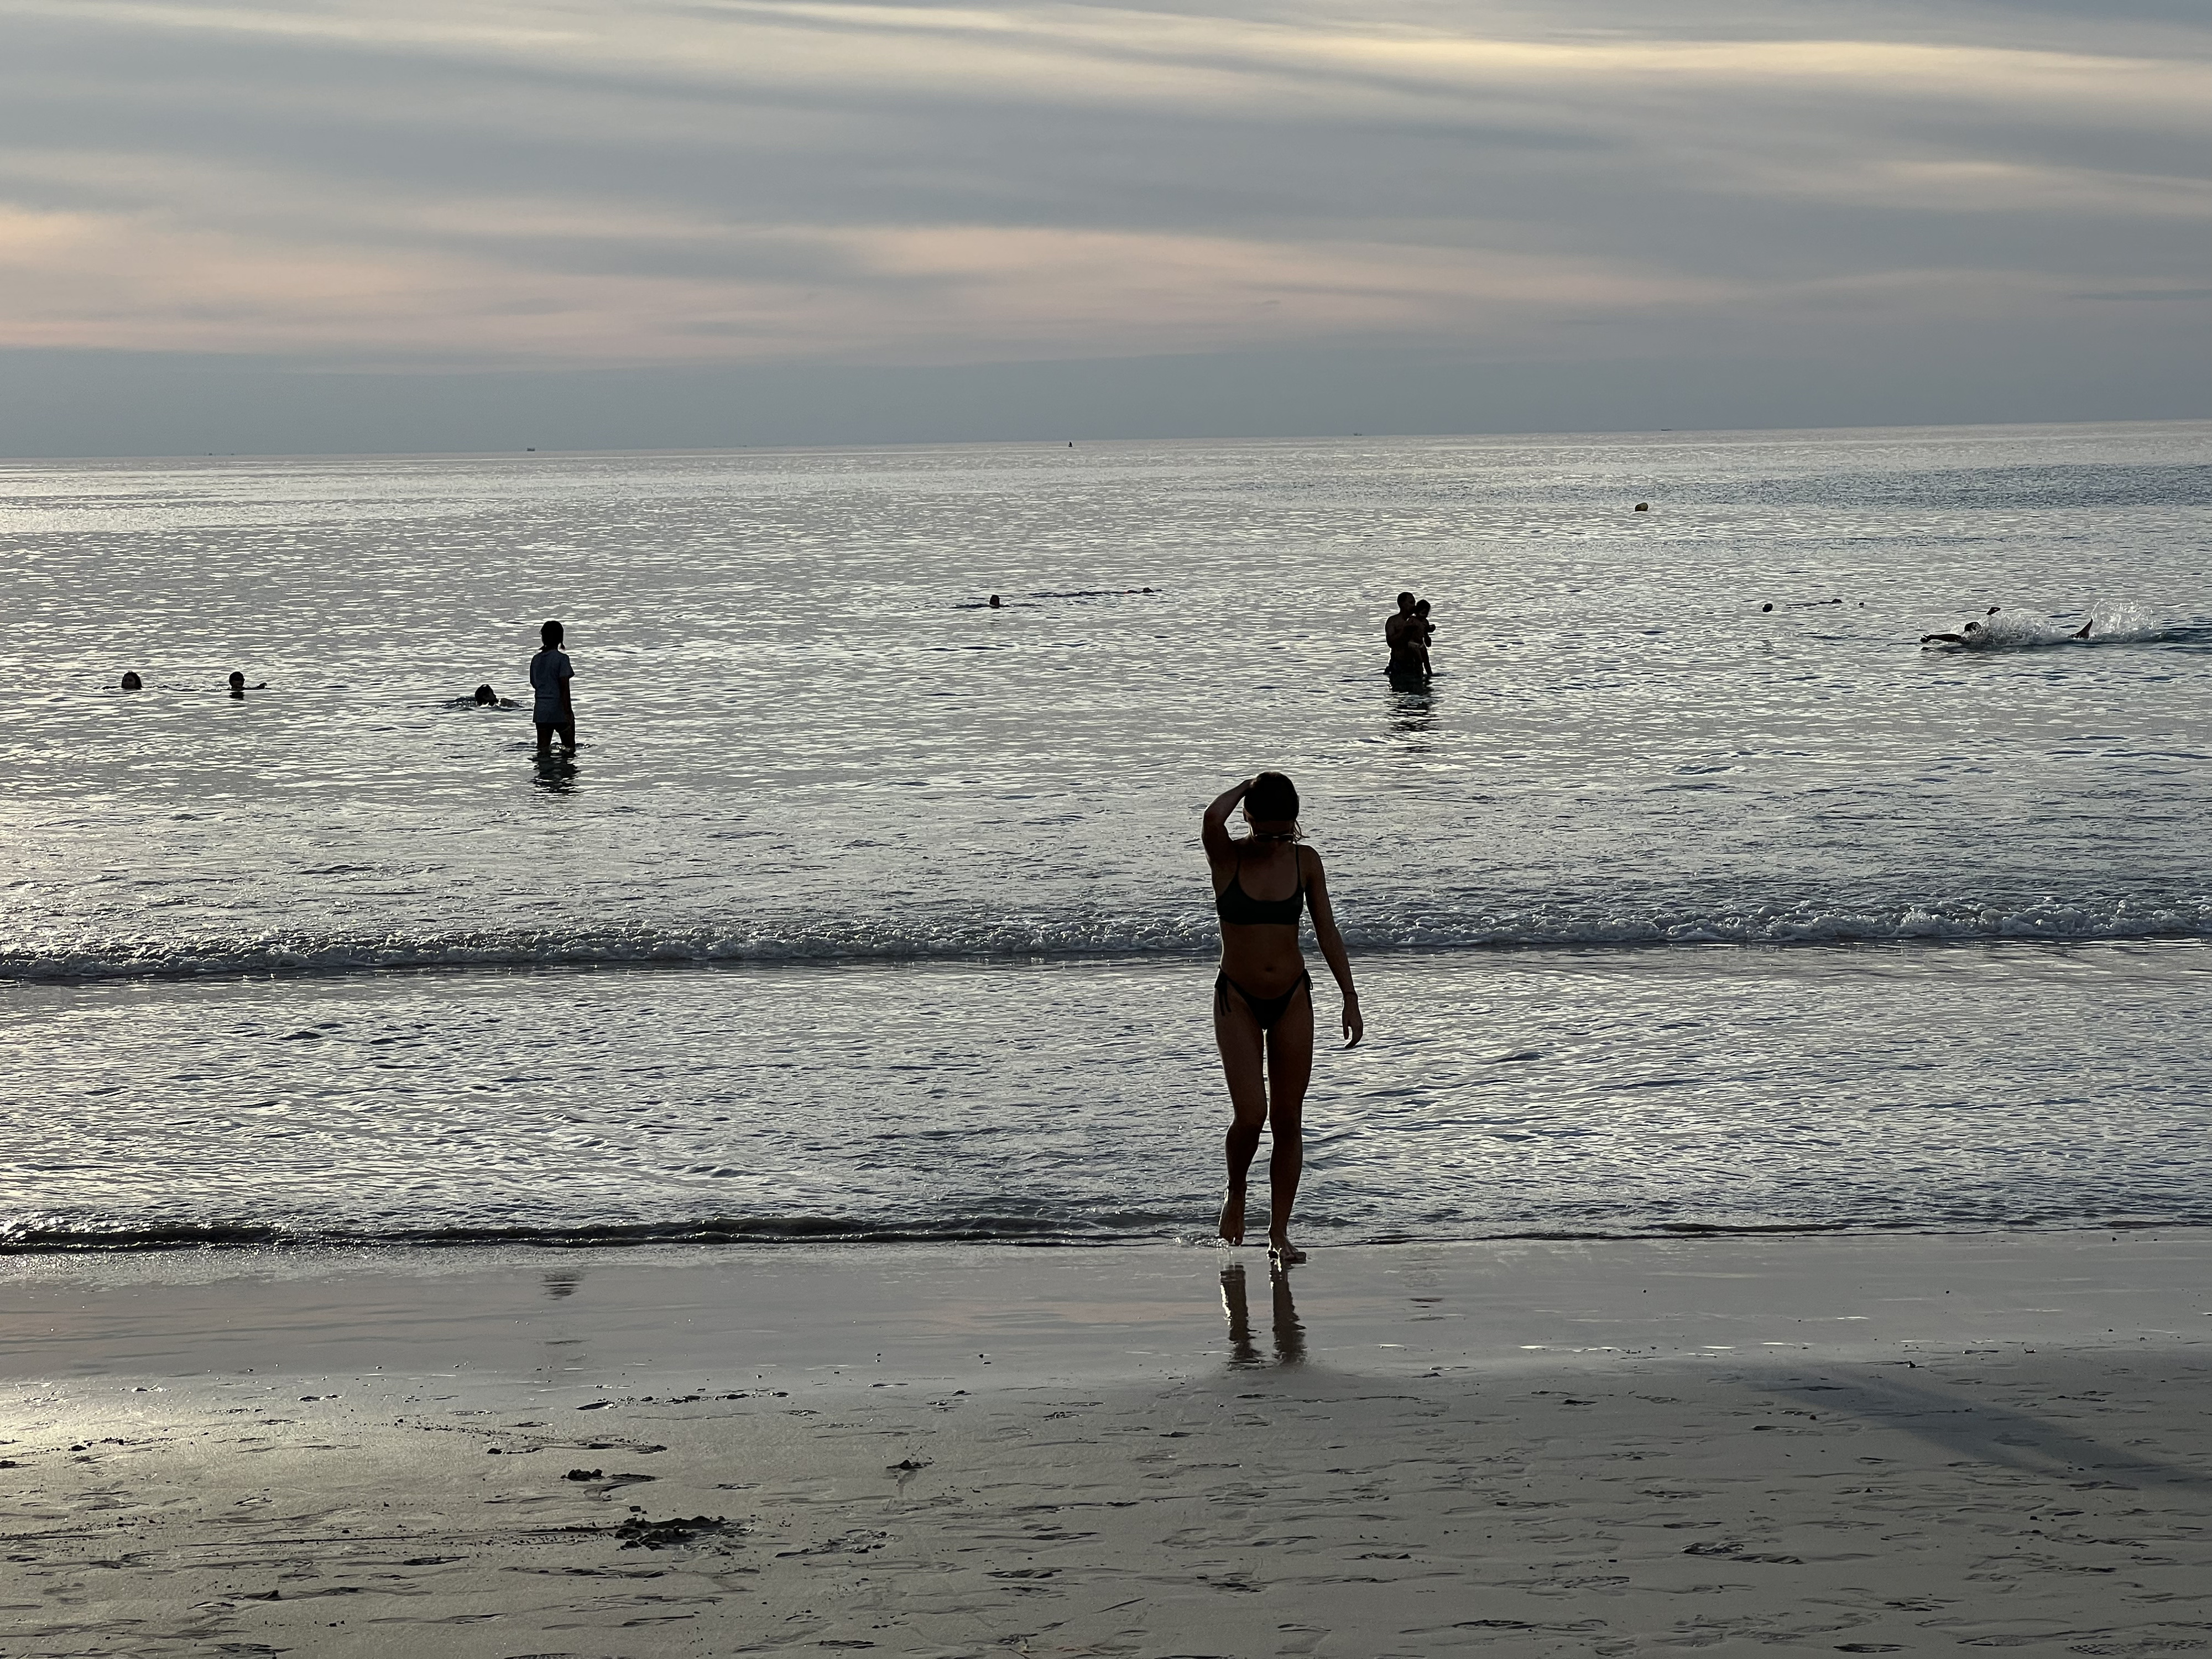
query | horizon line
[1065, 441]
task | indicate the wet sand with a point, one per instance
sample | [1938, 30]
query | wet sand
[1895, 1444]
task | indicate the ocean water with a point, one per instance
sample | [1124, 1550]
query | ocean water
[868, 911]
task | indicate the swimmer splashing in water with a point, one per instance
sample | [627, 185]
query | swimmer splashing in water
[1263, 1019]
[1981, 633]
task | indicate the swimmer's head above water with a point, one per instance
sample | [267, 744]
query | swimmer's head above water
[132, 683]
[1271, 807]
[486, 696]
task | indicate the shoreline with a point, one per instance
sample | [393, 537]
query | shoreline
[332, 1251]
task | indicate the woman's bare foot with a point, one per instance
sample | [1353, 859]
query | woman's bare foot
[1280, 1249]
[1232, 1218]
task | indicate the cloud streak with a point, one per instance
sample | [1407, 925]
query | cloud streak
[387, 184]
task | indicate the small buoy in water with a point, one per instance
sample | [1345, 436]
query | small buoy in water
[1643, 507]
[1769, 605]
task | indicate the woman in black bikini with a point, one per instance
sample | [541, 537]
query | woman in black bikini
[1263, 997]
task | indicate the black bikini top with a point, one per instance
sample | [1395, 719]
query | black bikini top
[1235, 904]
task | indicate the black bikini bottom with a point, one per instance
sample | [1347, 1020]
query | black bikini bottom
[1268, 1011]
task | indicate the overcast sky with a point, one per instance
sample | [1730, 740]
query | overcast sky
[422, 224]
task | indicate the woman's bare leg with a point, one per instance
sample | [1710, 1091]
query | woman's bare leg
[1238, 1035]
[1289, 1068]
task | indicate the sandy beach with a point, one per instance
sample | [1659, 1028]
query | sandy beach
[1857, 1445]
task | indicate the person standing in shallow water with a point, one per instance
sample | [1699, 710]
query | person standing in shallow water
[1263, 1019]
[550, 674]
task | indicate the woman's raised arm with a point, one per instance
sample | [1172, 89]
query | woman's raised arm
[1214, 833]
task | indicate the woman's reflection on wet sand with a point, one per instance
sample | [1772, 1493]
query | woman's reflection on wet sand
[1290, 1335]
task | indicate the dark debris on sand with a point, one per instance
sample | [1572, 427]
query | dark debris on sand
[638, 1534]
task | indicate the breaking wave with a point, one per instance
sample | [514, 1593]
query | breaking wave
[921, 937]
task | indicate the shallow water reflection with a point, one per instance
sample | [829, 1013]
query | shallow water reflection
[1290, 1334]
[1413, 708]
[556, 773]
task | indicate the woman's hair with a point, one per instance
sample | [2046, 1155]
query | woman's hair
[1272, 796]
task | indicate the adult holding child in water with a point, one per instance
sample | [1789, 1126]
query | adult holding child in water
[1263, 1019]
[1405, 633]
